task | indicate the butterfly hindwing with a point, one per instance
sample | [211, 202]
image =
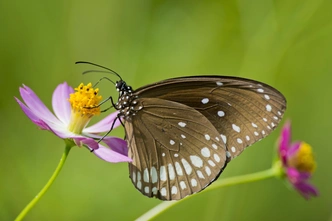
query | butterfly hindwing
[176, 150]
[242, 110]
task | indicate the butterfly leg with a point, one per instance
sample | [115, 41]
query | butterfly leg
[106, 109]
[103, 102]
[117, 118]
[114, 105]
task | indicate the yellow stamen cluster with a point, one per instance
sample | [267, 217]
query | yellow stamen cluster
[85, 99]
[84, 103]
[303, 160]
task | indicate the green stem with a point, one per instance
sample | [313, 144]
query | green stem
[274, 171]
[46, 187]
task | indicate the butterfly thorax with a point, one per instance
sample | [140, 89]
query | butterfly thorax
[127, 103]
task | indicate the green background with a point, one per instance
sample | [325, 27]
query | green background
[287, 44]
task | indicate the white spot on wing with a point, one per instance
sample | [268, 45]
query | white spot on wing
[146, 189]
[154, 190]
[171, 172]
[146, 175]
[174, 190]
[233, 149]
[254, 125]
[196, 161]
[205, 152]
[193, 182]
[219, 83]
[208, 170]
[186, 166]
[178, 169]
[211, 163]
[200, 174]
[268, 108]
[134, 177]
[154, 175]
[182, 124]
[267, 97]
[205, 100]
[163, 191]
[139, 176]
[163, 174]
[224, 138]
[139, 184]
[214, 146]
[172, 142]
[239, 140]
[236, 128]
[207, 137]
[183, 136]
[216, 158]
[221, 113]
[183, 185]
[260, 90]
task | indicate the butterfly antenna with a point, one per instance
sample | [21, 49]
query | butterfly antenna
[103, 78]
[97, 65]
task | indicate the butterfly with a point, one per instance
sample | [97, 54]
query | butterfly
[182, 132]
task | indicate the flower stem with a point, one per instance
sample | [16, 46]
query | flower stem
[46, 187]
[262, 175]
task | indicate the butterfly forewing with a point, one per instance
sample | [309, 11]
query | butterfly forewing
[176, 150]
[243, 111]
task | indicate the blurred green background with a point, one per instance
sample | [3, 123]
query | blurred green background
[287, 44]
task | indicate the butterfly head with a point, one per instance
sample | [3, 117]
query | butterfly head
[123, 88]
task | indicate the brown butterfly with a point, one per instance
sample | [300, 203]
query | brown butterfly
[182, 132]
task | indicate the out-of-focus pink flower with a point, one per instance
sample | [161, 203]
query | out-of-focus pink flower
[298, 162]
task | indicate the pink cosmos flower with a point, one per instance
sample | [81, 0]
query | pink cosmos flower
[298, 162]
[71, 117]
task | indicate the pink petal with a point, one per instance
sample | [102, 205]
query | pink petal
[296, 176]
[117, 144]
[299, 180]
[35, 119]
[58, 130]
[292, 174]
[104, 125]
[60, 103]
[306, 190]
[91, 143]
[109, 155]
[293, 149]
[36, 106]
[284, 141]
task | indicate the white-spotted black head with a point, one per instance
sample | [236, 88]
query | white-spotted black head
[122, 87]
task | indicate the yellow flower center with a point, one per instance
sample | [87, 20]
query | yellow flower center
[303, 160]
[84, 105]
